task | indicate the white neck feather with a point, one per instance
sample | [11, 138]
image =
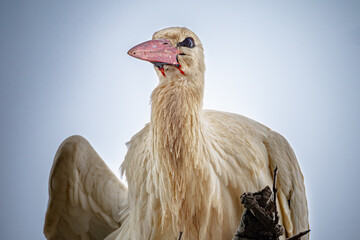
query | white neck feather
[177, 136]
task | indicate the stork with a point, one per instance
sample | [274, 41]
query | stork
[186, 169]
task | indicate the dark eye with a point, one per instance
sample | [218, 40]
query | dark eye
[188, 42]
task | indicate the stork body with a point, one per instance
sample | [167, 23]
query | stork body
[188, 167]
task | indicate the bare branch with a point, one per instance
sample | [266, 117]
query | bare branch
[299, 235]
[275, 193]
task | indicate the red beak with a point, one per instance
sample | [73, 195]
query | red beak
[156, 51]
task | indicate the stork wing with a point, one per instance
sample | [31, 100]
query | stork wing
[291, 193]
[86, 200]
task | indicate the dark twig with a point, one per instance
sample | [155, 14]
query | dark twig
[261, 215]
[275, 193]
[180, 235]
[299, 235]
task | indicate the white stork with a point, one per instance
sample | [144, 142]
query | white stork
[186, 169]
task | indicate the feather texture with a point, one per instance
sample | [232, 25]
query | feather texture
[86, 200]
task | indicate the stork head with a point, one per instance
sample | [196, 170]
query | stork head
[176, 52]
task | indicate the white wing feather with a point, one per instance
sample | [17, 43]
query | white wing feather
[86, 200]
[292, 197]
[248, 153]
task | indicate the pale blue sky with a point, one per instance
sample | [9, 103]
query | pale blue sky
[291, 65]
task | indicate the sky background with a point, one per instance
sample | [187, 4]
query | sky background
[291, 65]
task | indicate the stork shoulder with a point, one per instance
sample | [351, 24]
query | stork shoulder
[231, 123]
